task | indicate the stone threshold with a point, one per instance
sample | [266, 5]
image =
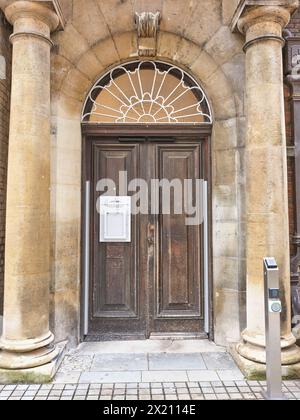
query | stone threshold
[149, 346]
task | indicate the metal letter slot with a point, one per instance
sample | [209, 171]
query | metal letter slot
[115, 219]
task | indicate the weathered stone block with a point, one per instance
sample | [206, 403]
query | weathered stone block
[175, 15]
[69, 107]
[228, 9]
[90, 21]
[224, 45]
[234, 69]
[226, 274]
[68, 135]
[76, 83]
[126, 45]
[89, 65]
[65, 42]
[68, 202]
[187, 53]
[106, 52]
[204, 67]
[167, 45]
[60, 67]
[225, 134]
[225, 167]
[225, 239]
[204, 21]
[229, 316]
[119, 15]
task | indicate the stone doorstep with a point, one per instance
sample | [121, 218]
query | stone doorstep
[148, 346]
[39, 375]
[257, 371]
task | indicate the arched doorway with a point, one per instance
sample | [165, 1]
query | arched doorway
[151, 122]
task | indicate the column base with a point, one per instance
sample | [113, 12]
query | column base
[254, 371]
[32, 359]
[27, 354]
[253, 348]
[28, 345]
[34, 375]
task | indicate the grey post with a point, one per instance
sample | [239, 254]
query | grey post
[273, 310]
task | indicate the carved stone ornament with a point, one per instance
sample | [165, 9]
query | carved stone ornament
[147, 24]
[292, 56]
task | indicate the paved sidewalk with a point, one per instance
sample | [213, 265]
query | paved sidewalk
[229, 390]
[147, 370]
[149, 361]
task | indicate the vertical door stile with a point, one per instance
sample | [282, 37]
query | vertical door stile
[87, 256]
[206, 257]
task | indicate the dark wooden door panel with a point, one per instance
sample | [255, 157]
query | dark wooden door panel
[154, 284]
[178, 270]
[117, 293]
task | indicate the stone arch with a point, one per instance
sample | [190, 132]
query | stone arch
[73, 83]
[70, 86]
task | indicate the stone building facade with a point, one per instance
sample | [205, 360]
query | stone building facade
[64, 52]
[5, 52]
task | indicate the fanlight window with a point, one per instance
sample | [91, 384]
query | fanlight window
[147, 93]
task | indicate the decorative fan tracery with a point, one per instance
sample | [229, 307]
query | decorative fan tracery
[147, 92]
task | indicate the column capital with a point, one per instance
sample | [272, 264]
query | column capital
[31, 18]
[40, 10]
[262, 19]
[263, 14]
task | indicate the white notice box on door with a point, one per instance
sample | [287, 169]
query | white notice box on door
[115, 219]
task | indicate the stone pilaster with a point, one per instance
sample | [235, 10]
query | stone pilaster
[27, 343]
[267, 230]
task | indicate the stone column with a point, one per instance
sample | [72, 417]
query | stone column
[267, 228]
[27, 342]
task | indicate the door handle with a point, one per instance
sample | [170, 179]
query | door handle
[151, 235]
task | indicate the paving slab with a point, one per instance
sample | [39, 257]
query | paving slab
[110, 377]
[176, 361]
[233, 375]
[67, 378]
[218, 361]
[119, 362]
[162, 376]
[203, 375]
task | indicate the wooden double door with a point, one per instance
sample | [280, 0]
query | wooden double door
[153, 285]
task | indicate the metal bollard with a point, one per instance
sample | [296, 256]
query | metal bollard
[273, 309]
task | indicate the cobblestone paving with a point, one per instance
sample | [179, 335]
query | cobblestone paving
[230, 390]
